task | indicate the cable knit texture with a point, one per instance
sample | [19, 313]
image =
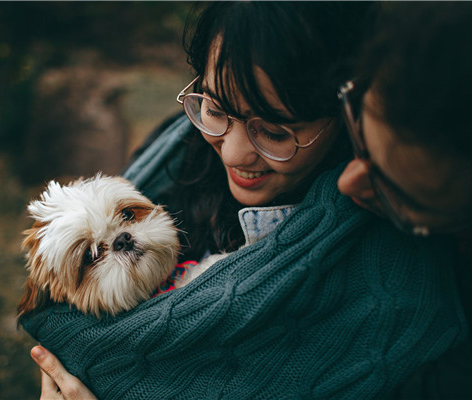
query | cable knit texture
[334, 303]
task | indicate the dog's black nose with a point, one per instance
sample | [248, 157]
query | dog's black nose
[124, 242]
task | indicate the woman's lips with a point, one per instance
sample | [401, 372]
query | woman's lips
[248, 179]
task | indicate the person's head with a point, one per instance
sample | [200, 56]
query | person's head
[410, 118]
[274, 68]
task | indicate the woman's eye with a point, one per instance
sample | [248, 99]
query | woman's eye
[212, 110]
[267, 132]
[214, 113]
[127, 214]
[271, 136]
[275, 137]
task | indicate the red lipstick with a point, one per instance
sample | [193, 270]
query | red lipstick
[247, 182]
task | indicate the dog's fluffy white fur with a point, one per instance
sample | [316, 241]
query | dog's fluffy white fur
[98, 244]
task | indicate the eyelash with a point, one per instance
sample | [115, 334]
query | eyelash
[271, 136]
[211, 113]
[274, 137]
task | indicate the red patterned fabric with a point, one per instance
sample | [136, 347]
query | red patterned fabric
[177, 274]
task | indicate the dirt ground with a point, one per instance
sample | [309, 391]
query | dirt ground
[87, 114]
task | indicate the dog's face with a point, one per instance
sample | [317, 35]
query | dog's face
[98, 244]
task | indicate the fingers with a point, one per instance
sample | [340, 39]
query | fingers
[56, 382]
[52, 373]
[49, 389]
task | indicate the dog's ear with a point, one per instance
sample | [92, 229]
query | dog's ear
[31, 241]
[49, 202]
[33, 299]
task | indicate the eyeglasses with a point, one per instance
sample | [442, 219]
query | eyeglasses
[394, 201]
[274, 141]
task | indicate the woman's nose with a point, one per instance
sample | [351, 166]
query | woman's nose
[236, 148]
[355, 182]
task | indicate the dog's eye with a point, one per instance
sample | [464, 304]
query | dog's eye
[127, 214]
[88, 258]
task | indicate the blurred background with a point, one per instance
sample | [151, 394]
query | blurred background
[81, 86]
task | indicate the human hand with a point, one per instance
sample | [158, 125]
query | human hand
[56, 382]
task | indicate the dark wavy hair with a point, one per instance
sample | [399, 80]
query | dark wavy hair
[307, 49]
[418, 64]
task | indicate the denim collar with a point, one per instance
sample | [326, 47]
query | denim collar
[258, 222]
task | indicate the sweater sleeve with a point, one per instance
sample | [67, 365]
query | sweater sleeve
[334, 303]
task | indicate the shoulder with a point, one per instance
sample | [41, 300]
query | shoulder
[338, 236]
[325, 215]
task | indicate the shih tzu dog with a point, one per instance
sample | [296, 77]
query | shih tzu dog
[98, 244]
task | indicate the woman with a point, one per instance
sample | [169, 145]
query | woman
[320, 303]
[310, 63]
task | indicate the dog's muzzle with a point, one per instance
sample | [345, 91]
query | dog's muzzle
[124, 242]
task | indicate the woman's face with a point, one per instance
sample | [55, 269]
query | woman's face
[437, 186]
[255, 180]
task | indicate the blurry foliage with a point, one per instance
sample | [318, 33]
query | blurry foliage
[35, 36]
[113, 27]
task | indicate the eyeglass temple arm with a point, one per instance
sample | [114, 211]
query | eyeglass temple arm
[182, 93]
[347, 109]
[316, 136]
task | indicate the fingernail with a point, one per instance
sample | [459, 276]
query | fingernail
[38, 352]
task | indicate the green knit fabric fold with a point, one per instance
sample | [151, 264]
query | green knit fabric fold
[335, 303]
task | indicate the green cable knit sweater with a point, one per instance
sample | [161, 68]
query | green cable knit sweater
[334, 303]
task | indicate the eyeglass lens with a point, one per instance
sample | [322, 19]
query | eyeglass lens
[205, 115]
[272, 140]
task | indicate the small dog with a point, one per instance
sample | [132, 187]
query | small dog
[98, 244]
